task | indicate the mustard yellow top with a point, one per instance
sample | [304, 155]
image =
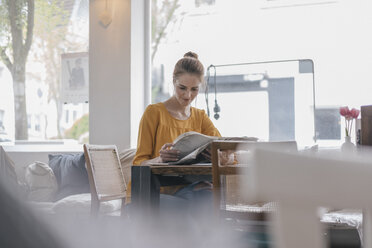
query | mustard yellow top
[158, 127]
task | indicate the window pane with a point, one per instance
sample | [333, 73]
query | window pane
[270, 100]
[38, 110]
[331, 34]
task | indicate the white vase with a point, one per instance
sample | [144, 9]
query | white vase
[348, 146]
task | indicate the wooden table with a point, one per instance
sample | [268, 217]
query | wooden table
[146, 186]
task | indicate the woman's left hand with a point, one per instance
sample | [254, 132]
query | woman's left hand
[226, 157]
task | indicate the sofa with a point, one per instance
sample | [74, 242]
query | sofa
[59, 185]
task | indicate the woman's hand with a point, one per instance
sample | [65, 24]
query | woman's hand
[168, 154]
[227, 157]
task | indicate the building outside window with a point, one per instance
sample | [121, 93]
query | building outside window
[60, 27]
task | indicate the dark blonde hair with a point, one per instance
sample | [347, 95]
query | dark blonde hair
[188, 64]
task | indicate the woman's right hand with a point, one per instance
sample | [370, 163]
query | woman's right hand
[168, 154]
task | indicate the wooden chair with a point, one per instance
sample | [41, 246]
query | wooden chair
[105, 175]
[226, 186]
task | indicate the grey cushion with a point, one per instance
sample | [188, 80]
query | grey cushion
[8, 176]
[71, 174]
[41, 182]
[126, 160]
[7, 170]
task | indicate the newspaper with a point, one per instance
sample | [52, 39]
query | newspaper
[192, 144]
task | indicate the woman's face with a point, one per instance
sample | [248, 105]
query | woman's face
[186, 88]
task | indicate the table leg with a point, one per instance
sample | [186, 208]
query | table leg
[154, 192]
[145, 189]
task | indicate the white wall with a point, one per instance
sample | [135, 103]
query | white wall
[116, 72]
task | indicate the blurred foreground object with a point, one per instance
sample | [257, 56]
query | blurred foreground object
[300, 184]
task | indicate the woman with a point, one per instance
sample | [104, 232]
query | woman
[163, 122]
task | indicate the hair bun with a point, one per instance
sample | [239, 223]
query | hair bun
[191, 55]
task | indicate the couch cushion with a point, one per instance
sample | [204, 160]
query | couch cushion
[7, 169]
[8, 176]
[41, 182]
[126, 160]
[80, 204]
[71, 174]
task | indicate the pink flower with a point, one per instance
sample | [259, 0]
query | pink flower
[354, 113]
[344, 111]
[349, 115]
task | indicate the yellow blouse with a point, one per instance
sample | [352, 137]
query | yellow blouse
[158, 127]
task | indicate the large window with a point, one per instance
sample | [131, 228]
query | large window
[333, 34]
[44, 88]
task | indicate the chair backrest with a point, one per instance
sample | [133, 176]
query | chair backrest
[302, 183]
[105, 174]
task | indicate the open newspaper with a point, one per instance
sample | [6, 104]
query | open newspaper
[192, 144]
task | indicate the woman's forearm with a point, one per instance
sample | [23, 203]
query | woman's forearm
[150, 161]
